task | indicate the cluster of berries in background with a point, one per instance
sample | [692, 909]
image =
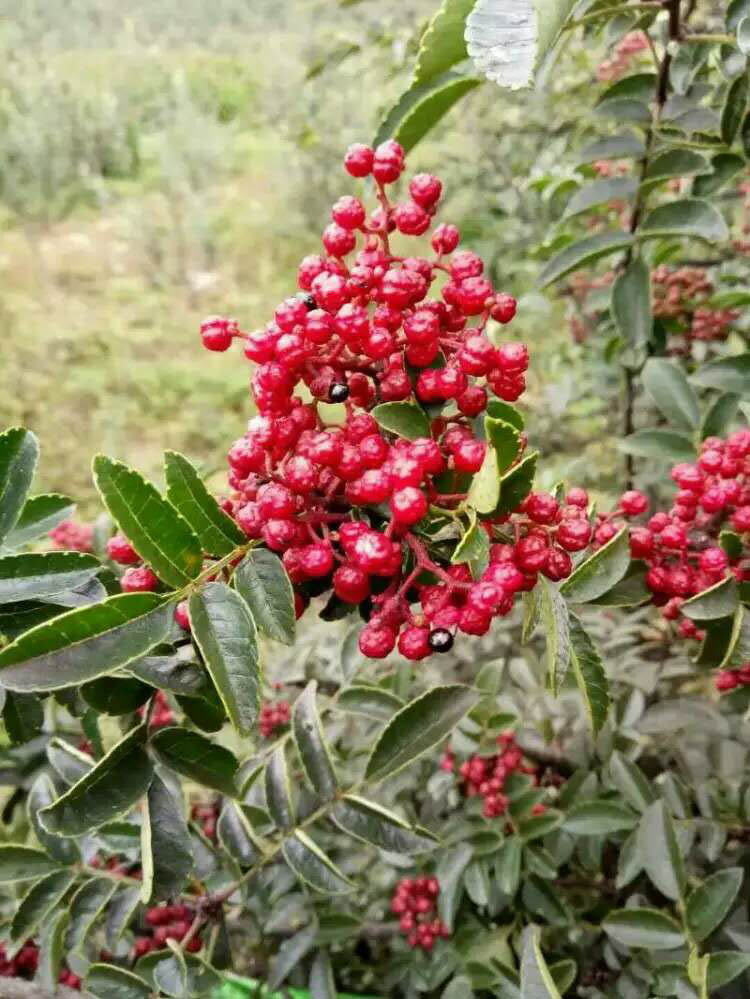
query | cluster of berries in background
[622, 55]
[72, 536]
[206, 816]
[682, 295]
[342, 501]
[701, 539]
[166, 922]
[730, 679]
[139, 578]
[161, 711]
[415, 903]
[273, 718]
[24, 963]
[486, 776]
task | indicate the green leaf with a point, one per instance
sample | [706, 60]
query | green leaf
[373, 702]
[414, 730]
[19, 452]
[114, 695]
[24, 863]
[500, 410]
[666, 445]
[735, 107]
[420, 108]
[38, 516]
[39, 903]
[582, 253]
[536, 980]
[107, 981]
[516, 484]
[170, 973]
[312, 866]
[719, 415]
[724, 166]
[738, 646]
[403, 419]
[442, 45]
[171, 673]
[224, 630]
[86, 907]
[371, 823]
[631, 304]
[120, 912]
[599, 817]
[166, 849]
[450, 873]
[41, 795]
[589, 673]
[631, 591]
[279, 789]
[692, 217]
[263, 584]
[85, 642]
[743, 35]
[236, 835]
[630, 781]
[554, 618]
[674, 163]
[648, 929]
[659, 851]
[599, 192]
[473, 549]
[106, 792]
[636, 86]
[23, 717]
[197, 758]
[563, 974]
[719, 600]
[68, 762]
[484, 491]
[625, 146]
[671, 393]
[508, 41]
[508, 865]
[51, 950]
[724, 966]
[624, 109]
[708, 905]
[160, 535]
[216, 531]
[311, 745]
[600, 572]
[728, 374]
[321, 982]
[289, 955]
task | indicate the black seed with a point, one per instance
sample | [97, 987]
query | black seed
[310, 302]
[338, 392]
[440, 640]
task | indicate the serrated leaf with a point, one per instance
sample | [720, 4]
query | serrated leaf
[310, 864]
[599, 817]
[442, 45]
[166, 849]
[724, 166]
[371, 823]
[421, 107]
[415, 729]
[263, 584]
[617, 147]
[666, 445]
[599, 192]
[41, 795]
[311, 745]
[19, 452]
[86, 906]
[484, 491]
[37, 518]
[39, 902]
[68, 762]
[724, 966]
[631, 591]
[631, 304]
[671, 393]
[709, 904]
[516, 484]
[555, 622]
[738, 645]
[120, 912]
[107, 791]
[674, 163]
[500, 410]
[536, 979]
[692, 217]
[404, 419]
[51, 950]
[235, 834]
[508, 41]
[85, 643]
[23, 716]
[289, 954]
[216, 531]
[24, 863]
[728, 374]
[279, 789]
[196, 757]
[450, 873]
[160, 535]
[473, 549]
[224, 630]
[659, 851]
[735, 108]
[630, 781]
[170, 972]
[582, 253]
[719, 600]
[589, 673]
[171, 673]
[647, 929]
[108, 981]
[373, 702]
[36, 575]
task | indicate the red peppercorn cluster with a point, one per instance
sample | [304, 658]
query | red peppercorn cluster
[415, 902]
[162, 714]
[206, 815]
[69, 535]
[730, 679]
[682, 294]
[486, 776]
[23, 965]
[117, 866]
[137, 578]
[681, 546]
[339, 501]
[166, 922]
[617, 65]
[274, 717]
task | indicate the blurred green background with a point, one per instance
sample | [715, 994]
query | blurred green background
[164, 160]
